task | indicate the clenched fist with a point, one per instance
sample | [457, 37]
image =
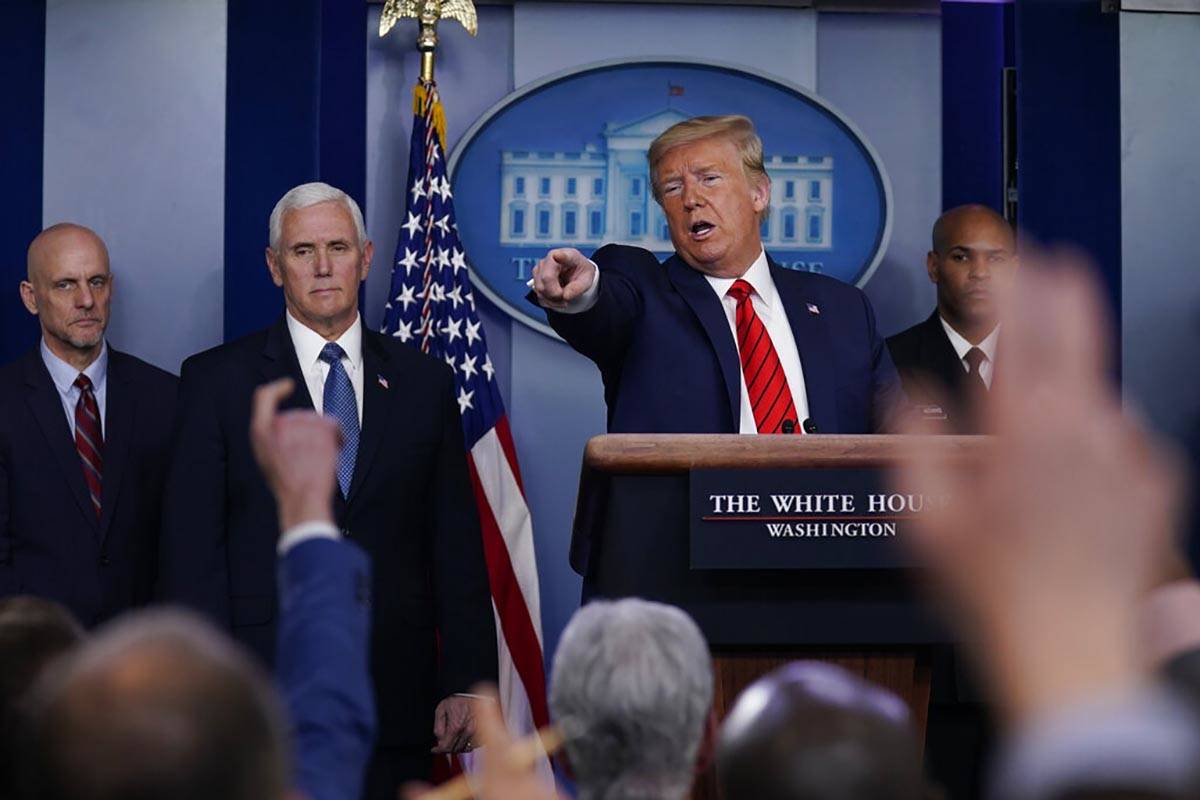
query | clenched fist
[562, 276]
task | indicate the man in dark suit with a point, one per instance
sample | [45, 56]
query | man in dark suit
[84, 442]
[403, 489]
[950, 357]
[719, 339]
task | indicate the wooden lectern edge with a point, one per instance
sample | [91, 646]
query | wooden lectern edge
[641, 454]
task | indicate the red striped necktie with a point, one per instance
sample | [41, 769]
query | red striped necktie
[89, 440]
[770, 397]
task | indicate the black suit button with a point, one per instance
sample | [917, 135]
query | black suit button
[104, 561]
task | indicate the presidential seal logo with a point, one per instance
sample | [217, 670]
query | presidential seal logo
[562, 163]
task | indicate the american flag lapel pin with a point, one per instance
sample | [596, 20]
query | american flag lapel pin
[812, 309]
[382, 381]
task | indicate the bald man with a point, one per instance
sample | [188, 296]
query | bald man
[84, 439]
[951, 356]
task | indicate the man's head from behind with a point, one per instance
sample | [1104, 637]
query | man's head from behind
[632, 688]
[319, 254]
[812, 731]
[68, 287]
[973, 261]
[33, 632]
[707, 173]
[159, 705]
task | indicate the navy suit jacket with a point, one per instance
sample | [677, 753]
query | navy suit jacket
[324, 621]
[51, 543]
[669, 362]
[932, 372]
[411, 507]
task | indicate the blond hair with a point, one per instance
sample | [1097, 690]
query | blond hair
[734, 128]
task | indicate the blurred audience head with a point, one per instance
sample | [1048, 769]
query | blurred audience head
[33, 632]
[972, 263]
[632, 689]
[813, 731]
[158, 705]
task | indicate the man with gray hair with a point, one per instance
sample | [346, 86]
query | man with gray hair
[402, 490]
[632, 688]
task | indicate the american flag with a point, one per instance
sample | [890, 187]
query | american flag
[432, 307]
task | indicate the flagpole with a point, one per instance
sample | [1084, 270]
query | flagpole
[428, 13]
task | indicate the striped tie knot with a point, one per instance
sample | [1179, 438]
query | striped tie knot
[330, 353]
[83, 383]
[740, 290]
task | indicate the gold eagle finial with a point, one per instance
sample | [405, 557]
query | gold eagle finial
[428, 12]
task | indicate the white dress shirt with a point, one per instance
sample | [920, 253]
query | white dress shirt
[309, 343]
[64, 375]
[962, 346]
[769, 308]
[303, 531]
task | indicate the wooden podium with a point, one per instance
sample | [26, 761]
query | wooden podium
[632, 536]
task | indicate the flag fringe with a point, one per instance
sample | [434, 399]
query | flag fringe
[420, 91]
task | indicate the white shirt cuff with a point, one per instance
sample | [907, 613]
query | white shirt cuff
[316, 529]
[1146, 740]
[585, 301]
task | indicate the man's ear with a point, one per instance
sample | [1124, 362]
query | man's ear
[29, 298]
[707, 755]
[931, 266]
[761, 193]
[274, 267]
[368, 256]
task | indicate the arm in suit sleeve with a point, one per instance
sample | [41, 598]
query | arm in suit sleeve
[603, 332]
[462, 596]
[321, 666]
[193, 558]
[889, 403]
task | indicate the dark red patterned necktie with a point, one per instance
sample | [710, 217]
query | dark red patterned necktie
[770, 397]
[89, 440]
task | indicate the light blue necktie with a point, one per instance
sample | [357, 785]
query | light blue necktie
[340, 404]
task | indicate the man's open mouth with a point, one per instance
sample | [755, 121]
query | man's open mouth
[702, 229]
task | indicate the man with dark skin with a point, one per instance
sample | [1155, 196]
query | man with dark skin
[950, 356]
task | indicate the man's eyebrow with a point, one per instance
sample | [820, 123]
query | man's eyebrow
[977, 249]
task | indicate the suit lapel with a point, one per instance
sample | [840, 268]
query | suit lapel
[812, 342]
[47, 408]
[377, 406]
[704, 303]
[279, 361]
[940, 354]
[120, 402]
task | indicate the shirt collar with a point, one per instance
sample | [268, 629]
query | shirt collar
[961, 345]
[758, 276]
[64, 375]
[309, 343]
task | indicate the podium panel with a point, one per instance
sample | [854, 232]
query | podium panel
[640, 531]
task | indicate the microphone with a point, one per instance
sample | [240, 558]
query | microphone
[809, 425]
[789, 426]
